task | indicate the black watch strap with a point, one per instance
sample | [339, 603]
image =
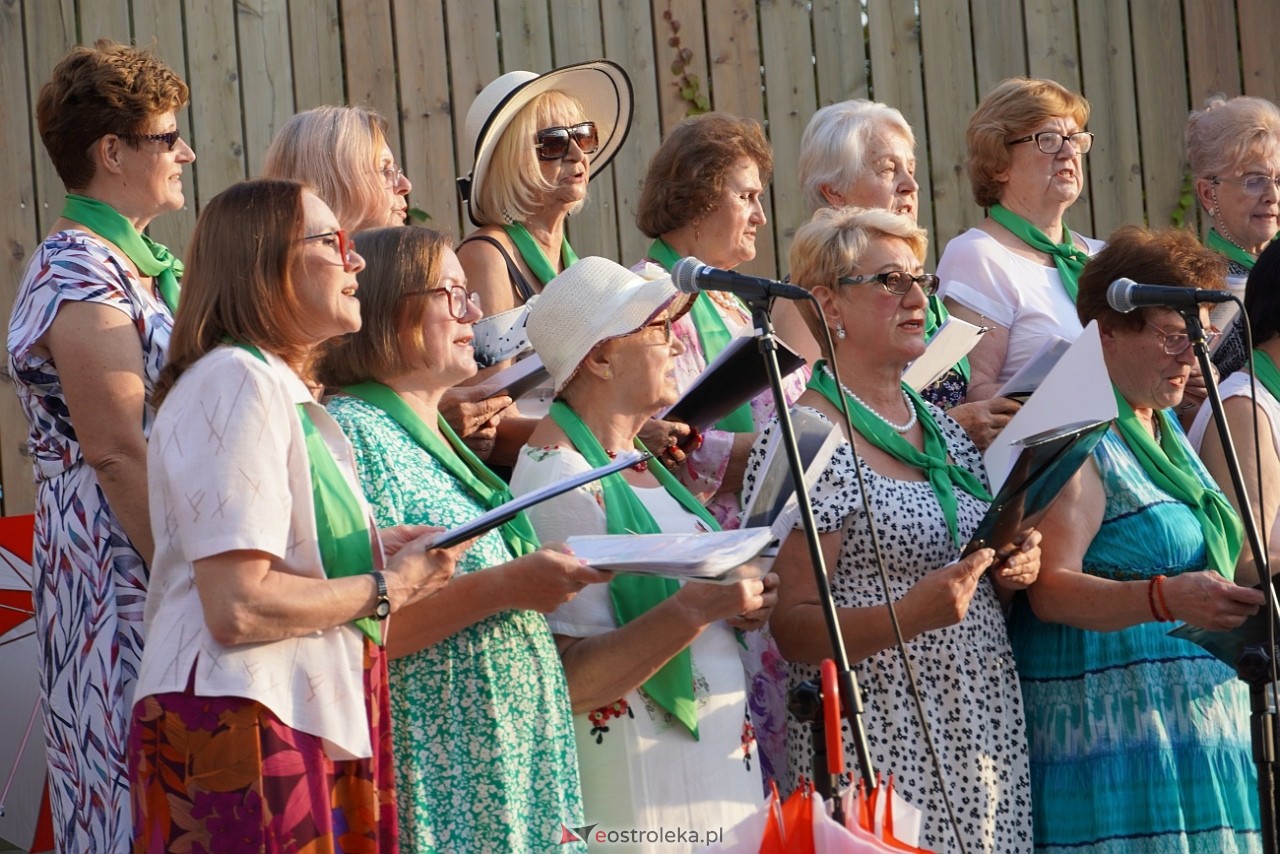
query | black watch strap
[382, 609]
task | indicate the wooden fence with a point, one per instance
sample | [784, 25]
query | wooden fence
[252, 63]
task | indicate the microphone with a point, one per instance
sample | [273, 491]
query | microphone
[1124, 295]
[691, 276]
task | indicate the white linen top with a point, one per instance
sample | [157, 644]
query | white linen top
[1023, 296]
[228, 470]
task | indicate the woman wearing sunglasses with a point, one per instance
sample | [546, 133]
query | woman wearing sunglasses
[1016, 271]
[483, 730]
[1233, 149]
[536, 140]
[1139, 741]
[929, 488]
[87, 338]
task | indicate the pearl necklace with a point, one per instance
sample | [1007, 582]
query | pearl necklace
[898, 428]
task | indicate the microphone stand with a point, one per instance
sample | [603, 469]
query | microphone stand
[1255, 663]
[851, 698]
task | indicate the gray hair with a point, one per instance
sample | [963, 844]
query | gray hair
[833, 150]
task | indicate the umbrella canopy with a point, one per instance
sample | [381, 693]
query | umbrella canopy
[24, 797]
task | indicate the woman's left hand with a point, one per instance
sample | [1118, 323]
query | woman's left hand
[1021, 569]
[670, 441]
[752, 620]
[395, 537]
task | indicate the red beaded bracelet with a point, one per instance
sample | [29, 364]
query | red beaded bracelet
[1164, 606]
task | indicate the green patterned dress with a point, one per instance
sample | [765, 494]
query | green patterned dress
[483, 734]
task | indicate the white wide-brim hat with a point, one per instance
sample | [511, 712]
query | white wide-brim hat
[601, 86]
[592, 301]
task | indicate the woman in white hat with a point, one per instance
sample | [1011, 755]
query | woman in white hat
[537, 141]
[655, 680]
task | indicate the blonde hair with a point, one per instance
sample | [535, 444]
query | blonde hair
[1012, 109]
[514, 187]
[1227, 132]
[832, 243]
[833, 150]
[336, 151]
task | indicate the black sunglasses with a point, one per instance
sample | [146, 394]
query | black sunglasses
[170, 139]
[553, 143]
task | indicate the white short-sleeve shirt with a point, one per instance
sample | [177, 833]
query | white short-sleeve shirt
[228, 470]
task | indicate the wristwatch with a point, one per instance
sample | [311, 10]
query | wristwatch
[383, 609]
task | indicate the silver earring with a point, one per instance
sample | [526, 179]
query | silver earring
[840, 331]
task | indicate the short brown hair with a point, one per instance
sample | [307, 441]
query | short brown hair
[831, 244]
[686, 175]
[1012, 109]
[94, 91]
[401, 264]
[336, 151]
[1171, 256]
[238, 283]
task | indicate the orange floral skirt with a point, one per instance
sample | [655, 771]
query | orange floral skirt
[213, 774]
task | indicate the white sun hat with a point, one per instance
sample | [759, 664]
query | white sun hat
[592, 301]
[601, 86]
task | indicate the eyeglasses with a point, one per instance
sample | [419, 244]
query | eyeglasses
[897, 282]
[1178, 342]
[553, 143]
[170, 139]
[1254, 185]
[340, 240]
[392, 175]
[1051, 142]
[664, 324]
[460, 300]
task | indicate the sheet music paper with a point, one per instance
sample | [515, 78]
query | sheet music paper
[951, 343]
[717, 556]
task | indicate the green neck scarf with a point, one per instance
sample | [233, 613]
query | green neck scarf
[672, 686]
[152, 259]
[482, 484]
[341, 526]
[533, 255]
[1170, 468]
[936, 314]
[1264, 368]
[713, 335]
[943, 476]
[1067, 258]
[1222, 246]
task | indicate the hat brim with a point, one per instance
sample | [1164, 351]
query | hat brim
[601, 86]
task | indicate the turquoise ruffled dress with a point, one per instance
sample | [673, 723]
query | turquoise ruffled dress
[1139, 742]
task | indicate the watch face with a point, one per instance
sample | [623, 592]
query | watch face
[383, 610]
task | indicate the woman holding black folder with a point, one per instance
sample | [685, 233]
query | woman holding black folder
[929, 491]
[1140, 539]
[654, 672]
[477, 693]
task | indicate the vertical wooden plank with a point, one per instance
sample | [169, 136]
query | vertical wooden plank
[897, 80]
[18, 236]
[1213, 58]
[369, 54]
[630, 40]
[791, 98]
[263, 29]
[734, 47]
[840, 50]
[316, 50]
[105, 19]
[428, 156]
[50, 33]
[999, 42]
[1162, 107]
[578, 35]
[949, 92]
[473, 64]
[526, 36]
[1052, 53]
[216, 117]
[159, 23]
[1115, 170]
[687, 25]
[1259, 34]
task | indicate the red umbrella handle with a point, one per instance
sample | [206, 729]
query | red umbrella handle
[831, 718]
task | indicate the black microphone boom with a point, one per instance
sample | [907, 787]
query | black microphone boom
[1125, 295]
[691, 276]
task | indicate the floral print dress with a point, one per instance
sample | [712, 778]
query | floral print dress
[483, 731]
[91, 583]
